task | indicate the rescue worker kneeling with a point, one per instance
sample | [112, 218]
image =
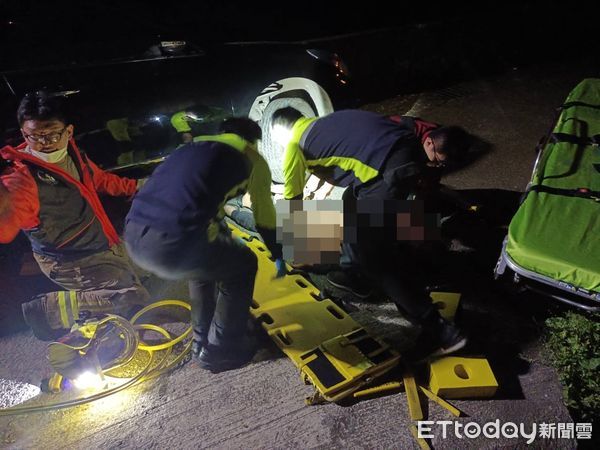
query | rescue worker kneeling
[175, 229]
[50, 191]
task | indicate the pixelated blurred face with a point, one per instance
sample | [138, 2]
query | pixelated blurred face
[417, 225]
[312, 231]
[317, 237]
[407, 230]
[313, 236]
[392, 220]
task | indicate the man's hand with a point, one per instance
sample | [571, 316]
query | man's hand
[281, 268]
[17, 178]
[20, 198]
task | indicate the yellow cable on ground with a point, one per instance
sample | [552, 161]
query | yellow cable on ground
[147, 373]
[156, 305]
[14, 410]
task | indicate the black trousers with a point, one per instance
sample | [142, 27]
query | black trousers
[220, 274]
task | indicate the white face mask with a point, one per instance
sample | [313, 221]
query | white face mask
[54, 157]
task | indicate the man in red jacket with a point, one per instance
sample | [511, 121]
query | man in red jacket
[50, 191]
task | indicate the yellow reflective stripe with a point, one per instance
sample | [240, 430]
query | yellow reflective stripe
[294, 163]
[74, 305]
[259, 188]
[361, 170]
[300, 127]
[233, 140]
[62, 307]
[294, 171]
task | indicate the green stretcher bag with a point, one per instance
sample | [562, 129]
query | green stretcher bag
[553, 241]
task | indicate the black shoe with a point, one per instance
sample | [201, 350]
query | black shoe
[442, 339]
[199, 341]
[450, 338]
[349, 283]
[217, 359]
[35, 316]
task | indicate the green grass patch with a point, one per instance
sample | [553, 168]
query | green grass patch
[573, 345]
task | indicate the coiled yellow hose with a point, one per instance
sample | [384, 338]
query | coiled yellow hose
[151, 370]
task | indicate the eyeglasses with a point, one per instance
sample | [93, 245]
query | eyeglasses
[50, 138]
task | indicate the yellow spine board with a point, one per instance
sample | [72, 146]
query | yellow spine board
[412, 397]
[440, 401]
[333, 352]
[460, 377]
[392, 385]
[447, 303]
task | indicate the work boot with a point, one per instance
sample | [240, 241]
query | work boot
[350, 282]
[35, 316]
[219, 359]
[438, 337]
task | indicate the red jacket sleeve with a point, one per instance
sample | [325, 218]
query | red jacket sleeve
[19, 202]
[8, 226]
[111, 184]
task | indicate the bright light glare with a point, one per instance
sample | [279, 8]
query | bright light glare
[281, 134]
[89, 380]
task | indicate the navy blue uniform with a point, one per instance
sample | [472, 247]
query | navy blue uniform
[175, 229]
[346, 148]
[184, 193]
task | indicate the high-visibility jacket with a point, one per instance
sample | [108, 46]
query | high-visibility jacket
[61, 216]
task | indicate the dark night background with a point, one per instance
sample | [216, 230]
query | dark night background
[524, 57]
[424, 43]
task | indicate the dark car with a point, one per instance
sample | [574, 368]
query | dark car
[134, 109]
[139, 78]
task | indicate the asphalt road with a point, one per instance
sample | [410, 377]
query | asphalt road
[262, 404]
